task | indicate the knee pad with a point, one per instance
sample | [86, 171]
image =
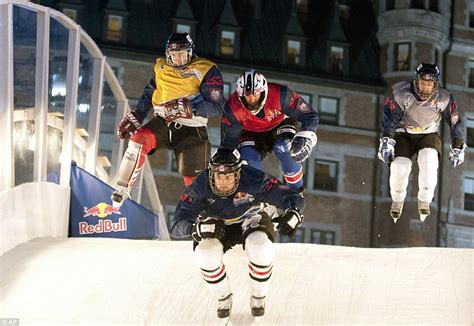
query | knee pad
[260, 250]
[252, 156]
[145, 137]
[282, 147]
[400, 170]
[208, 254]
[428, 175]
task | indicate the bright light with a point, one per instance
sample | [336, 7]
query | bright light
[83, 108]
[58, 89]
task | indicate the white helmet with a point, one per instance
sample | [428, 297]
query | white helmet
[252, 83]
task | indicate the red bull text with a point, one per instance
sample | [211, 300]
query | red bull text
[103, 226]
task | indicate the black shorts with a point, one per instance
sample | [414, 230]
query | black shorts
[190, 145]
[409, 144]
[264, 141]
[236, 234]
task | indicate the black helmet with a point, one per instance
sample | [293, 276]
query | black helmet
[224, 161]
[179, 42]
[426, 71]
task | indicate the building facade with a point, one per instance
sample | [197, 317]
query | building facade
[342, 56]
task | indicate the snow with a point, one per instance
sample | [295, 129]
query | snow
[111, 281]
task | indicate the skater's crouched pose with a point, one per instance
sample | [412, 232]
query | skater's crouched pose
[227, 205]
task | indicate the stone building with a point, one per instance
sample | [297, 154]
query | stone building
[342, 56]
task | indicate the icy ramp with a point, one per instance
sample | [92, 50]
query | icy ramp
[109, 281]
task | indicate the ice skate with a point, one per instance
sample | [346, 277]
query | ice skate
[396, 210]
[119, 196]
[423, 210]
[257, 305]
[224, 308]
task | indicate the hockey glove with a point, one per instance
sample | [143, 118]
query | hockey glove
[387, 149]
[288, 222]
[209, 228]
[456, 155]
[302, 145]
[178, 108]
[128, 126]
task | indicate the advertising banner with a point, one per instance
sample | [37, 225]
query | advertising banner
[92, 213]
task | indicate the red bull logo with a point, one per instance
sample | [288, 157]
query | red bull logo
[103, 226]
[100, 210]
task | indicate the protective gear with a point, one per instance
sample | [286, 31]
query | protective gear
[208, 256]
[208, 228]
[178, 108]
[302, 145]
[387, 149]
[456, 155]
[179, 44]
[128, 125]
[224, 161]
[288, 222]
[399, 175]
[428, 72]
[428, 173]
[260, 253]
[252, 83]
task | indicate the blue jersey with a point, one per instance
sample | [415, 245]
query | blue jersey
[255, 188]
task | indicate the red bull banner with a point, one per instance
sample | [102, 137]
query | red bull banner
[92, 213]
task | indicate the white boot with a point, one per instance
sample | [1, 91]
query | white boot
[257, 305]
[396, 210]
[224, 307]
[423, 210]
[120, 194]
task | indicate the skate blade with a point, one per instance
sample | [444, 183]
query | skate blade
[257, 319]
[395, 219]
[423, 217]
[225, 320]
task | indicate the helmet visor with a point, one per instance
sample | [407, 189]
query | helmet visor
[224, 180]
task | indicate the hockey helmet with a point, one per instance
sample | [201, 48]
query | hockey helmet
[224, 162]
[179, 50]
[426, 72]
[252, 83]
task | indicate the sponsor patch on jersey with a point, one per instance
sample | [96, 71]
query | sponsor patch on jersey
[189, 73]
[454, 118]
[242, 198]
[215, 94]
[302, 106]
[211, 200]
[408, 102]
[272, 114]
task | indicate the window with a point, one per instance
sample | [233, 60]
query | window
[323, 237]
[402, 57]
[302, 6]
[227, 43]
[325, 175]
[114, 28]
[71, 13]
[469, 194]
[293, 52]
[390, 5]
[227, 90]
[471, 14]
[433, 5]
[336, 58]
[328, 110]
[299, 237]
[470, 132]
[471, 72]
[344, 11]
[180, 28]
